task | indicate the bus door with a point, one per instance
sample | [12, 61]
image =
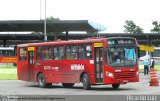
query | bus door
[98, 62]
[31, 63]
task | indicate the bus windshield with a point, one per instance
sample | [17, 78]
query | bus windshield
[121, 56]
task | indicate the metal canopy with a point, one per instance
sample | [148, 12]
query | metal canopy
[52, 26]
[145, 38]
[22, 36]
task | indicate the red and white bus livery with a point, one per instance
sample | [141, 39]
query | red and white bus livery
[92, 61]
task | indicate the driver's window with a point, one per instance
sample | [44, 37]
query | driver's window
[115, 56]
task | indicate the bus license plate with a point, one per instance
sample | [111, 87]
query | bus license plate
[125, 81]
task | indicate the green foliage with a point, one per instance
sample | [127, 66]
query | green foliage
[8, 76]
[8, 72]
[141, 68]
[132, 28]
[156, 28]
[48, 19]
[52, 19]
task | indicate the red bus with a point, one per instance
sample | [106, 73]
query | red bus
[92, 61]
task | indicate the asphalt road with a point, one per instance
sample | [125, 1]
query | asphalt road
[17, 87]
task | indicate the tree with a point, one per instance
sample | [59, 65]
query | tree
[156, 28]
[132, 28]
[48, 19]
[52, 19]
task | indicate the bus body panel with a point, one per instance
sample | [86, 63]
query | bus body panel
[61, 71]
[22, 71]
[121, 75]
[26, 69]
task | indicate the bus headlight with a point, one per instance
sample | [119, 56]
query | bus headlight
[137, 73]
[109, 74]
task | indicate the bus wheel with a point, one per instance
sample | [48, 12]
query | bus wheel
[115, 86]
[86, 82]
[68, 85]
[41, 81]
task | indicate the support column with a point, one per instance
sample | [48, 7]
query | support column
[55, 36]
[149, 53]
[4, 43]
[67, 35]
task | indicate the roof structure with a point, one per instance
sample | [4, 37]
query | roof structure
[51, 25]
[145, 36]
[25, 38]
[61, 26]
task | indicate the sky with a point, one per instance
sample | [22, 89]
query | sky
[110, 13]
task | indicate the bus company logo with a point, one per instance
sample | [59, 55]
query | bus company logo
[77, 67]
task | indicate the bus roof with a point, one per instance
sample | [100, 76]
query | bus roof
[61, 42]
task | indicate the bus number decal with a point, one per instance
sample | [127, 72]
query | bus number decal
[77, 67]
[31, 48]
[51, 68]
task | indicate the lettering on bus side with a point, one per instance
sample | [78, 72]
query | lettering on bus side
[77, 67]
[51, 68]
[47, 67]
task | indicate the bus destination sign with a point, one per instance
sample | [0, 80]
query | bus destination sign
[121, 42]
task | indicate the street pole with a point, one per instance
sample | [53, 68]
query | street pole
[40, 10]
[45, 34]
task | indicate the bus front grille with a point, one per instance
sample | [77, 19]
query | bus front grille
[124, 74]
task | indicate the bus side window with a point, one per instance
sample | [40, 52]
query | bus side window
[68, 53]
[55, 53]
[81, 52]
[74, 52]
[50, 49]
[22, 54]
[47, 53]
[61, 52]
[39, 53]
[88, 51]
[44, 53]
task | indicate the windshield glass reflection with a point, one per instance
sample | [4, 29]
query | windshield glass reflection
[120, 57]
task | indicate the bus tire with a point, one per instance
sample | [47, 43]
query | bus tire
[86, 82]
[115, 86]
[68, 85]
[41, 81]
